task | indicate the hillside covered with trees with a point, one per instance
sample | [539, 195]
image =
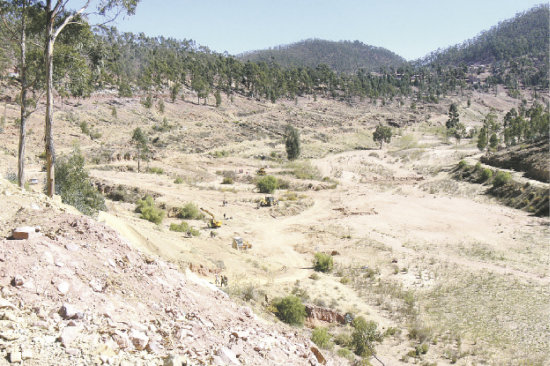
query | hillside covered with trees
[342, 56]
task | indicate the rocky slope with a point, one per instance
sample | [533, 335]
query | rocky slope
[75, 293]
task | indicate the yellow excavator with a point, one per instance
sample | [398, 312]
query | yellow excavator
[240, 244]
[213, 223]
[268, 201]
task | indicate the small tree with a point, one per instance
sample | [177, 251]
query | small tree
[140, 141]
[72, 183]
[218, 97]
[453, 120]
[364, 336]
[292, 142]
[290, 310]
[482, 139]
[382, 134]
[321, 338]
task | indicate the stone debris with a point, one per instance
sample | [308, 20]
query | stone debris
[81, 295]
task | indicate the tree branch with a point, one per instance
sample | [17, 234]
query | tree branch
[69, 18]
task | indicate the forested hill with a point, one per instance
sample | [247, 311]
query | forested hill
[524, 36]
[343, 56]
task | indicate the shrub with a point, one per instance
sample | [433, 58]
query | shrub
[343, 339]
[73, 184]
[178, 180]
[462, 164]
[227, 180]
[267, 184]
[184, 228]
[364, 336]
[146, 206]
[323, 262]
[321, 337]
[290, 310]
[305, 170]
[486, 174]
[190, 211]
[345, 353]
[501, 178]
[155, 170]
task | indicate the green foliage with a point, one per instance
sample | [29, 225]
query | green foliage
[462, 164]
[227, 180]
[184, 228]
[267, 184]
[148, 101]
[453, 120]
[73, 184]
[482, 140]
[174, 91]
[486, 174]
[146, 206]
[218, 97]
[323, 262]
[292, 142]
[382, 134]
[345, 353]
[178, 180]
[160, 106]
[290, 310]
[155, 170]
[190, 211]
[305, 170]
[364, 336]
[321, 338]
[501, 178]
[493, 141]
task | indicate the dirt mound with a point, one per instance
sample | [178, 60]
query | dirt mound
[77, 293]
[532, 159]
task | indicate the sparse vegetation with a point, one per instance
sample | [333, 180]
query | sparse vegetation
[184, 227]
[321, 337]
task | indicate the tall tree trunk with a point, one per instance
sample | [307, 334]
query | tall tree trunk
[23, 75]
[50, 152]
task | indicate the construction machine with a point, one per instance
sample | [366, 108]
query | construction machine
[261, 171]
[240, 244]
[213, 223]
[268, 201]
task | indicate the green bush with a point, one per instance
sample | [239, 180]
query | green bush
[227, 180]
[184, 228]
[486, 174]
[321, 337]
[155, 170]
[290, 310]
[462, 164]
[267, 184]
[345, 353]
[364, 336]
[323, 262]
[146, 206]
[73, 184]
[292, 142]
[501, 178]
[304, 170]
[190, 211]
[178, 180]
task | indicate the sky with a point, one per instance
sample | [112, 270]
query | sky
[410, 28]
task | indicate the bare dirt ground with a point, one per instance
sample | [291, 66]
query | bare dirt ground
[430, 259]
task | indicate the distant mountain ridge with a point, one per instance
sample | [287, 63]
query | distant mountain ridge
[342, 56]
[526, 34]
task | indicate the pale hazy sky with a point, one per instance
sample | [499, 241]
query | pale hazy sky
[409, 28]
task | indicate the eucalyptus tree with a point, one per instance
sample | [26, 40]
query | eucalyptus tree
[58, 15]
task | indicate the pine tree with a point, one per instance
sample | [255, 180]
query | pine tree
[292, 142]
